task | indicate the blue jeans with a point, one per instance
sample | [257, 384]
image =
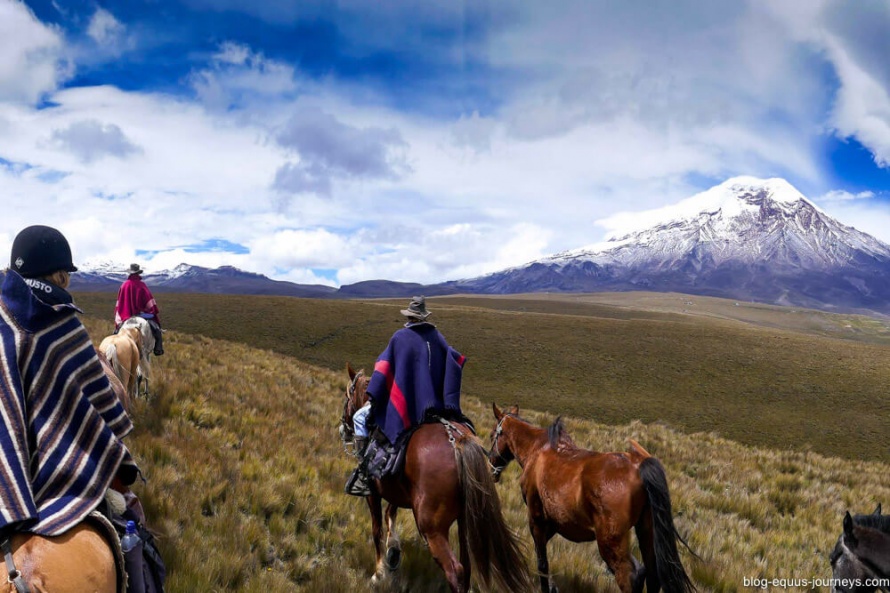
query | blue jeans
[360, 421]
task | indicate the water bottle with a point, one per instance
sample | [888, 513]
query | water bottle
[131, 545]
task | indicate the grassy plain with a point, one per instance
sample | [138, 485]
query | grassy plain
[781, 378]
[245, 475]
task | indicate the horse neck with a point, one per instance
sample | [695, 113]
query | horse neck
[525, 440]
[874, 546]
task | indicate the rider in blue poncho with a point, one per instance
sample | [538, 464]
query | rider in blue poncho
[61, 425]
[418, 375]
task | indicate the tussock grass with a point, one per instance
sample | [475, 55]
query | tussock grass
[245, 475]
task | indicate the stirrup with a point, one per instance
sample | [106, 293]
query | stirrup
[357, 484]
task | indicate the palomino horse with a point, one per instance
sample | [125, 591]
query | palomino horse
[147, 344]
[446, 478]
[119, 390]
[78, 561]
[860, 561]
[583, 496]
[123, 351]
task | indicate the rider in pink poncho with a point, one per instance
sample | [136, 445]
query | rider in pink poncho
[134, 299]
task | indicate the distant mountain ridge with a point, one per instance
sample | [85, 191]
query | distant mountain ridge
[746, 239]
[188, 278]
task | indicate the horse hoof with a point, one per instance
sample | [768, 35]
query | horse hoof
[393, 558]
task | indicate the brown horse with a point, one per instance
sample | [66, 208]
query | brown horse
[123, 351]
[860, 561]
[78, 561]
[446, 478]
[584, 496]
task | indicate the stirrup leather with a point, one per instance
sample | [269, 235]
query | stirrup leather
[13, 574]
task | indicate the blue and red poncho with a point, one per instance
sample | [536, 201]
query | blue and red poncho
[416, 374]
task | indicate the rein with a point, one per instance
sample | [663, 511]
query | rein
[347, 433]
[14, 575]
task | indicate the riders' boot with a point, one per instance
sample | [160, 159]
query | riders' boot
[358, 481]
[158, 334]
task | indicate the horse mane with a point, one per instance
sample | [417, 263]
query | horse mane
[879, 522]
[559, 437]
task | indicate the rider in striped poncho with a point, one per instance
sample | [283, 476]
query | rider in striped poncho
[60, 443]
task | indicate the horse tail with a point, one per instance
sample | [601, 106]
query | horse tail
[670, 570]
[495, 550]
[112, 356]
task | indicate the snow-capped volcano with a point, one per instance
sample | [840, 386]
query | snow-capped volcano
[746, 238]
[743, 220]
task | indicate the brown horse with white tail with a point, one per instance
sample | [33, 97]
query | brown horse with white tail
[584, 496]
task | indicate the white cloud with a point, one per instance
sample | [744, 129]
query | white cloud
[332, 150]
[839, 195]
[315, 248]
[238, 77]
[108, 32]
[31, 60]
[90, 140]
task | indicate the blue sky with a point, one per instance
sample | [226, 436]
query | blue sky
[423, 141]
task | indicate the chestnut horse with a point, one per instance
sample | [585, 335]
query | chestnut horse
[78, 561]
[584, 496]
[446, 478]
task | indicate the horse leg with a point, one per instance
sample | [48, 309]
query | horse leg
[375, 505]
[615, 551]
[541, 535]
[393, 543]
[444, 556]
[433, 525]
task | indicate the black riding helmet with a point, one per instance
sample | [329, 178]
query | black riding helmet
[40, 250]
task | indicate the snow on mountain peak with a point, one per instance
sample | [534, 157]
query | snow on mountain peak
[724, 202]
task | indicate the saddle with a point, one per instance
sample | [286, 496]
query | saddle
[383, 458]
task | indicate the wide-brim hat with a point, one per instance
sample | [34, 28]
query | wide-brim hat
[134, 269]
[417, 309]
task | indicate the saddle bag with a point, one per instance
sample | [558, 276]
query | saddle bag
[154, 571]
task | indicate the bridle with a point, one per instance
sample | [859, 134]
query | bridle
[347, 432]
[502, 463]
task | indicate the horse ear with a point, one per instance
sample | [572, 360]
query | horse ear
[848, 525]
[350, 371]
[514, 409]
[878, 510]
[497, 411]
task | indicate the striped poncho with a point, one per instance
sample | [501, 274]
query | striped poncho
[418, 373]
[60, 445]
